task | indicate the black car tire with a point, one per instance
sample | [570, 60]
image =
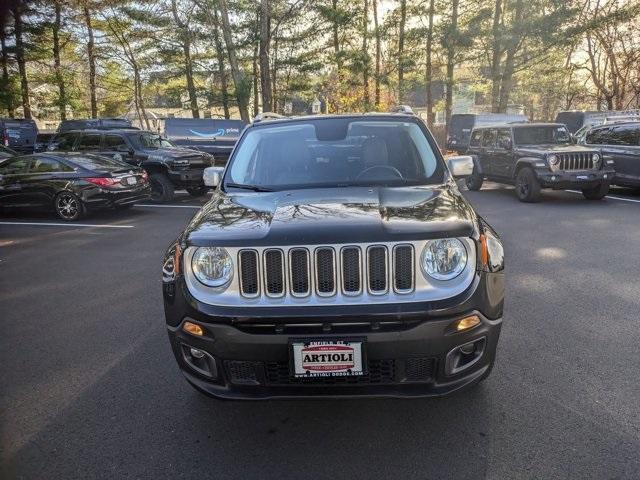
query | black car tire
[474, 181]
[197, 191]
[69, 207]
[162, 190]
[527, 186]
[596, 193]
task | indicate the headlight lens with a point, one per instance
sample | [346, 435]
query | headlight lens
[596, 160]
[212, 266]
[444, 259]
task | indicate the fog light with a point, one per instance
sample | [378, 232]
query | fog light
[604, 176]
[467, 323]
[193, 329]
[465, 349]
[553, 178]
[195, 353]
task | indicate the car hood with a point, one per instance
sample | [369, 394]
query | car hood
[172, 153]
[327, 216]
[539, 150]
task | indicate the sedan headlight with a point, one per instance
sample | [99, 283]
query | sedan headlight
[444, 259]
[212, 266]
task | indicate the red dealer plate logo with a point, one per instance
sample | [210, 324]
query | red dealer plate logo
[327, 358]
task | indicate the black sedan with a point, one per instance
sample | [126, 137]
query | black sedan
[70, 183]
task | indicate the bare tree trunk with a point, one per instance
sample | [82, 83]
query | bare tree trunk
[224, 87]
[22, 69]
[265, 44]
[365, 48]
[403, 19]
[495, 56]
[191, 86]
[62, 97]
[336, 36]
[378, 53]
[429, 69]
[506, 83]
[274, 75]
[138, 83]
[451, 51]
[238, 76]
[254, 75]
[92, 60]
[185, 35]
[6, 84]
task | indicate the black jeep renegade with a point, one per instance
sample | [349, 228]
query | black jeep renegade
[336, 258]
[534, 156]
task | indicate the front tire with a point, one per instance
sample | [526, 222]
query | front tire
[527, 186]
[197, 191]
[162, 189]
[596, 193]
[69, 207]
[474, 181]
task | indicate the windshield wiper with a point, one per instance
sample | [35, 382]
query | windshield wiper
[253, 188]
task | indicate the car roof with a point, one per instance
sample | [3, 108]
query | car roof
[519, 125]
[635, 123]
[106, 131]
[355, 116]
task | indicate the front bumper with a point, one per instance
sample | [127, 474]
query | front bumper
[407, 359]
[187, 177]
[576, 179]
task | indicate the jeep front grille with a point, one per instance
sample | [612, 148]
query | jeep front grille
[331, 270]
[576, 161]
[329, 275]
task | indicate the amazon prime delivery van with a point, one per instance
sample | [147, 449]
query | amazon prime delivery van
[212, 135]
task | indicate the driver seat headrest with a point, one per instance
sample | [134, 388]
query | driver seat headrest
[375, 152]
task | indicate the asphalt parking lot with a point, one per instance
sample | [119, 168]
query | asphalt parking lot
[91, 389]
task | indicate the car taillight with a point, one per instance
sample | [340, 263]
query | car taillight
[145, 176]
[103, 181]
[5, 138]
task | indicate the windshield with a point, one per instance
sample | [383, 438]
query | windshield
[333, 153]
[153, 140]
[556, 134]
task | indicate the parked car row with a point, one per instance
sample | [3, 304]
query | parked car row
[70, 183]
[534, 156]
[169, 167]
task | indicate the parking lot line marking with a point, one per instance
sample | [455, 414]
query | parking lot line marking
[609, 196]
[165, 206]
[48, 224]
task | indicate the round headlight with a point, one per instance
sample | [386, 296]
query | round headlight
[596, 160]
[212, 266]
[444, 259]
[553, 160]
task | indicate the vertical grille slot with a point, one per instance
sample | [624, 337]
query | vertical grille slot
[377, 269]
[299, 272]
[403, 268]
[325, 272]
[249, 275]
[274, 272]
[576, 161]
[351, 271]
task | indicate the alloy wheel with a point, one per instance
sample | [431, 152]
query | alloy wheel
[67, 206]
